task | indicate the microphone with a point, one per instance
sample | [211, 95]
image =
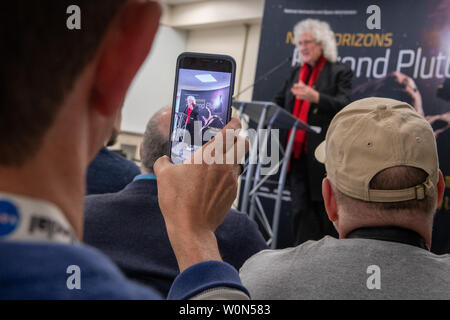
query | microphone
[265, 75]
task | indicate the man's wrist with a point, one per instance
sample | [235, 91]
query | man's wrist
[191, 247]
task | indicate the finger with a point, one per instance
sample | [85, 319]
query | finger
[411, 86]
[410, 91]
[411, 81]
[431, 119]
[160, 164]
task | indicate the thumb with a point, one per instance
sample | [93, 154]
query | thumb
[161, 164]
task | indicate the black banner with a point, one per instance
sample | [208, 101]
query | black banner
[412, 45]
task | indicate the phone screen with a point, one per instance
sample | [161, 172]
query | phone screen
[202, 104]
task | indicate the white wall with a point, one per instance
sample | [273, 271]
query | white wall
[249, 62]
[240, 41]
[152, 88]
[228, 40]
[236, 35]
[214, 13]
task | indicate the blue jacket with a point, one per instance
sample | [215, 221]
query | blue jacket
[128, 226]
[109, 172]
[38, 270]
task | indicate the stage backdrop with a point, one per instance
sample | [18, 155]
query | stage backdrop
[413, 44]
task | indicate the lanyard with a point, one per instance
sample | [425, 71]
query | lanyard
[393, 234]
[145, 176]
[26, 219]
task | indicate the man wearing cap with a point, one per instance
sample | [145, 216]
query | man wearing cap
[382, 188]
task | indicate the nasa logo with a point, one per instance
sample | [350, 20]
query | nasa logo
[9, 217]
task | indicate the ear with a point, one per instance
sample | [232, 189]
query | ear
[125, 46]
[440, 189]
[329, 200]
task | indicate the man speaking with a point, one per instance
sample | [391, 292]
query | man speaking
[314, 92]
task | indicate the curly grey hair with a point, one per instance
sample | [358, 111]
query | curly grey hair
[322, 33]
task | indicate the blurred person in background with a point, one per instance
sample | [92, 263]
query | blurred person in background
[128, 226]
[109, 171]
[62, 91]
[314, 92]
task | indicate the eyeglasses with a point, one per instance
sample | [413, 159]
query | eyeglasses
[306, 42]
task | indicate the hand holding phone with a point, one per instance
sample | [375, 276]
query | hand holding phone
[195, 199]
[201, 107]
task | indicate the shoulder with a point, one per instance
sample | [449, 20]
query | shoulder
[274, 259]
[46, 269]
[98, 207]
[279, 259]
[268, 271]
[101, 200]
[239, 221]
[339, 67]
[295, 70]
[107, 160]
[124, 161]
[112, 156]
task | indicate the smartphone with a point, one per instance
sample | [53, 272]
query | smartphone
[202, 98]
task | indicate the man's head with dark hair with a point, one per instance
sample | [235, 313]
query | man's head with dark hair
[41, 60]
[391, 213]
[62, 89]
[156, 138]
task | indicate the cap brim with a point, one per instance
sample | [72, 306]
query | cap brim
[319, 153]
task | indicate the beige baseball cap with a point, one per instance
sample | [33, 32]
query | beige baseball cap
[373, 134]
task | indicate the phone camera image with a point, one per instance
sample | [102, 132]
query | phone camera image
[201, 110]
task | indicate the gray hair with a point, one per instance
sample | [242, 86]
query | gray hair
[398, 177]
[322, 33]
[192, 98]
[155, 142]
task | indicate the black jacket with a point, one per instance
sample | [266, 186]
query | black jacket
[334, 85]
[109, 172]
[129, 228]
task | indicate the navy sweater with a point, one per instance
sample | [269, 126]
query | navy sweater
[38, 270]
[128, 226]
[109, 172]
